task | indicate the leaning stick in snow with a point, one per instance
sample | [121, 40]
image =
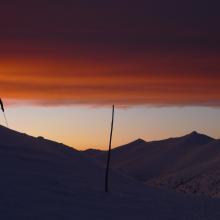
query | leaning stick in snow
[3, 110]
[109, 152]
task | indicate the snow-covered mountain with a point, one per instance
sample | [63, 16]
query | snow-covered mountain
[42, 179]
[36, 173]
[202, 176]
[188, 164]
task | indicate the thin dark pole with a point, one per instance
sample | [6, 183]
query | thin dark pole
[6, 121]
[3, 110]
[109, 151]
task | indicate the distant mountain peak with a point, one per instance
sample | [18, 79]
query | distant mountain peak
[195, 133]
[197, 138]
[139, 141]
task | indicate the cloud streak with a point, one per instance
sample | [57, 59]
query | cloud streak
[158, 81]
[104, 53]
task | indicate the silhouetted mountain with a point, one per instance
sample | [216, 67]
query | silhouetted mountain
[42, 179]
[102, 153]
[159, 162]
[195, 138]
[202, 176]
[39, 175]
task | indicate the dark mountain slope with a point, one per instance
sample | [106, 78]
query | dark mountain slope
[145, 160]
[42, 179]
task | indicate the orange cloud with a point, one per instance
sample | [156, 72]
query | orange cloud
[125, 79]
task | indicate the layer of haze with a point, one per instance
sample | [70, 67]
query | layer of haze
[83, 128]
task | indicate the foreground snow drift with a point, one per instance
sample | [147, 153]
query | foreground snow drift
[41, 179]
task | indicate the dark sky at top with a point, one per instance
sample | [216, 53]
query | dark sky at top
[128, 25]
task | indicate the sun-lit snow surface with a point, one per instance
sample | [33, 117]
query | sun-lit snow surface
[41, 179]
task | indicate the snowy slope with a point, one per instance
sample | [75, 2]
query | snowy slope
[23, 155]
[203, 177]
[42, 179]
[146, 160]
[189, 164]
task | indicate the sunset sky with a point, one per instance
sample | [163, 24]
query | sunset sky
[64, 63]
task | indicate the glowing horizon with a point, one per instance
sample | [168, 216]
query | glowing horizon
[83, 127]
[72, 60]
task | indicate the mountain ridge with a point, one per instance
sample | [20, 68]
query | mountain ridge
[192, 134]
[162, 163]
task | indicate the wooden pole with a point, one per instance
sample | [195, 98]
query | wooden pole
[109, 152]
